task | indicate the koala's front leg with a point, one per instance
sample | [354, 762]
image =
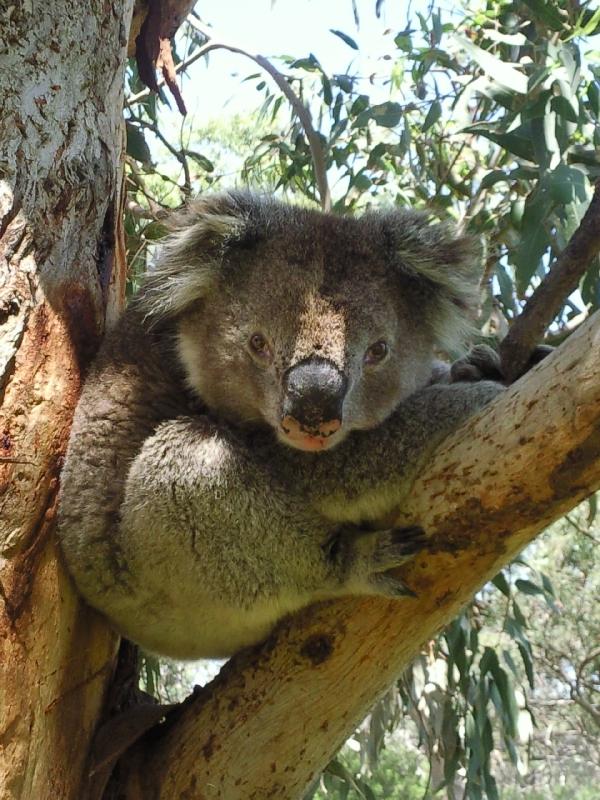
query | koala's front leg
[203, 505]
[367, 476]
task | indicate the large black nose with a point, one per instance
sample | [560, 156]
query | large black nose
[314, 395]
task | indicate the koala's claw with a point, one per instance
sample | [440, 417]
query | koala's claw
[395, 546]
[392, 549]
[389, 586]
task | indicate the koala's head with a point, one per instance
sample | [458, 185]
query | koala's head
[310, 323]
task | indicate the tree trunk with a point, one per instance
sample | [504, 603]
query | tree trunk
[275, 715]
[61, 83]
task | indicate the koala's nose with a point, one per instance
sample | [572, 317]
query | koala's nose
[314, 395]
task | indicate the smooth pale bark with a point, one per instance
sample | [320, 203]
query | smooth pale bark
[274, 716]
[61, 79]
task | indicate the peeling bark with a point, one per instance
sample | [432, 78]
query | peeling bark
[61, 78]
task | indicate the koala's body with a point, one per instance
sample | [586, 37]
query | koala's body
[267, 393]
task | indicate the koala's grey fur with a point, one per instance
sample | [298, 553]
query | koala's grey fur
[183, 517]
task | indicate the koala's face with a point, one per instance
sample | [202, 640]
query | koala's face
[312, 364]
[310, 323]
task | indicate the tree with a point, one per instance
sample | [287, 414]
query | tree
[61, 250]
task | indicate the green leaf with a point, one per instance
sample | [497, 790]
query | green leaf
[137, 146]
[568, 184]
[593, 93]
[509, 661]
[345, 38]
[403, 42]
[528, 587]
[507, 295]
[563, 108]
[201, 160]
[501, 73]
[545, 11]
[434, 113]
[493, 177]
[518, 141]
[534, 236]
[547, 584]
[327, 93]
[345, 82]
[518, 614]
[592, 509]
[361, 182]
[310, 64]
[501, 583]
[488, 662]
[388, 115]
[359, 105]
[527, 663]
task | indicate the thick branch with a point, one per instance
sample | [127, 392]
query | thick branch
[557, 285]
[274, 716]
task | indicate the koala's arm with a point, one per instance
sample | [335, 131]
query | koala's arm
[367, 476]
[198, 491]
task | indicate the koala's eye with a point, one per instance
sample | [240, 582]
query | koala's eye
[376, 352]
[260, 346]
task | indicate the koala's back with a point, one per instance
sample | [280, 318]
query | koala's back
[128, 392]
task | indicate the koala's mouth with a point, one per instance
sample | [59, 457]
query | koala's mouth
[324, 437]
[309, 443]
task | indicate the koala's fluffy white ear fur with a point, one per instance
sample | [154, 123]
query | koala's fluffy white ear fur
[190, 257]
[446, 263]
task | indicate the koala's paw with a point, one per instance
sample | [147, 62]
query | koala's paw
[365, 558]
[481, 363]
[539, 354]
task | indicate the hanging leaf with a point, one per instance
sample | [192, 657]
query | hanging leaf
[434, 113]
[388, 115]
[501, 583]
[345, 38]
[499, 71]
[137, 146]
[528, 587]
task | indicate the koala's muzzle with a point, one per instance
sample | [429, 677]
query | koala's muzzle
[314, 392]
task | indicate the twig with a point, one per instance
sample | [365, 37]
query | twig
[178, 154]
[544, 304]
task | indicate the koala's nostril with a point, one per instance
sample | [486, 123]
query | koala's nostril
[314, 396]
[329, 427]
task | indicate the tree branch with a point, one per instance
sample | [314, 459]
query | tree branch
[491, 487]
[557, 285]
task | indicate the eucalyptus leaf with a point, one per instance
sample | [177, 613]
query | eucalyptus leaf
[345, 38]
[502, 73]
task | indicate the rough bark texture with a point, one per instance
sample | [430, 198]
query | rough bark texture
[61, 79]
[274, 716]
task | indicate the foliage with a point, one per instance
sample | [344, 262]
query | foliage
[490, 116]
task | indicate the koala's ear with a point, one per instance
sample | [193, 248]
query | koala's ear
[445, 265]
[191, 256]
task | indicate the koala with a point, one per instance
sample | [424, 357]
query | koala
[269, 394]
